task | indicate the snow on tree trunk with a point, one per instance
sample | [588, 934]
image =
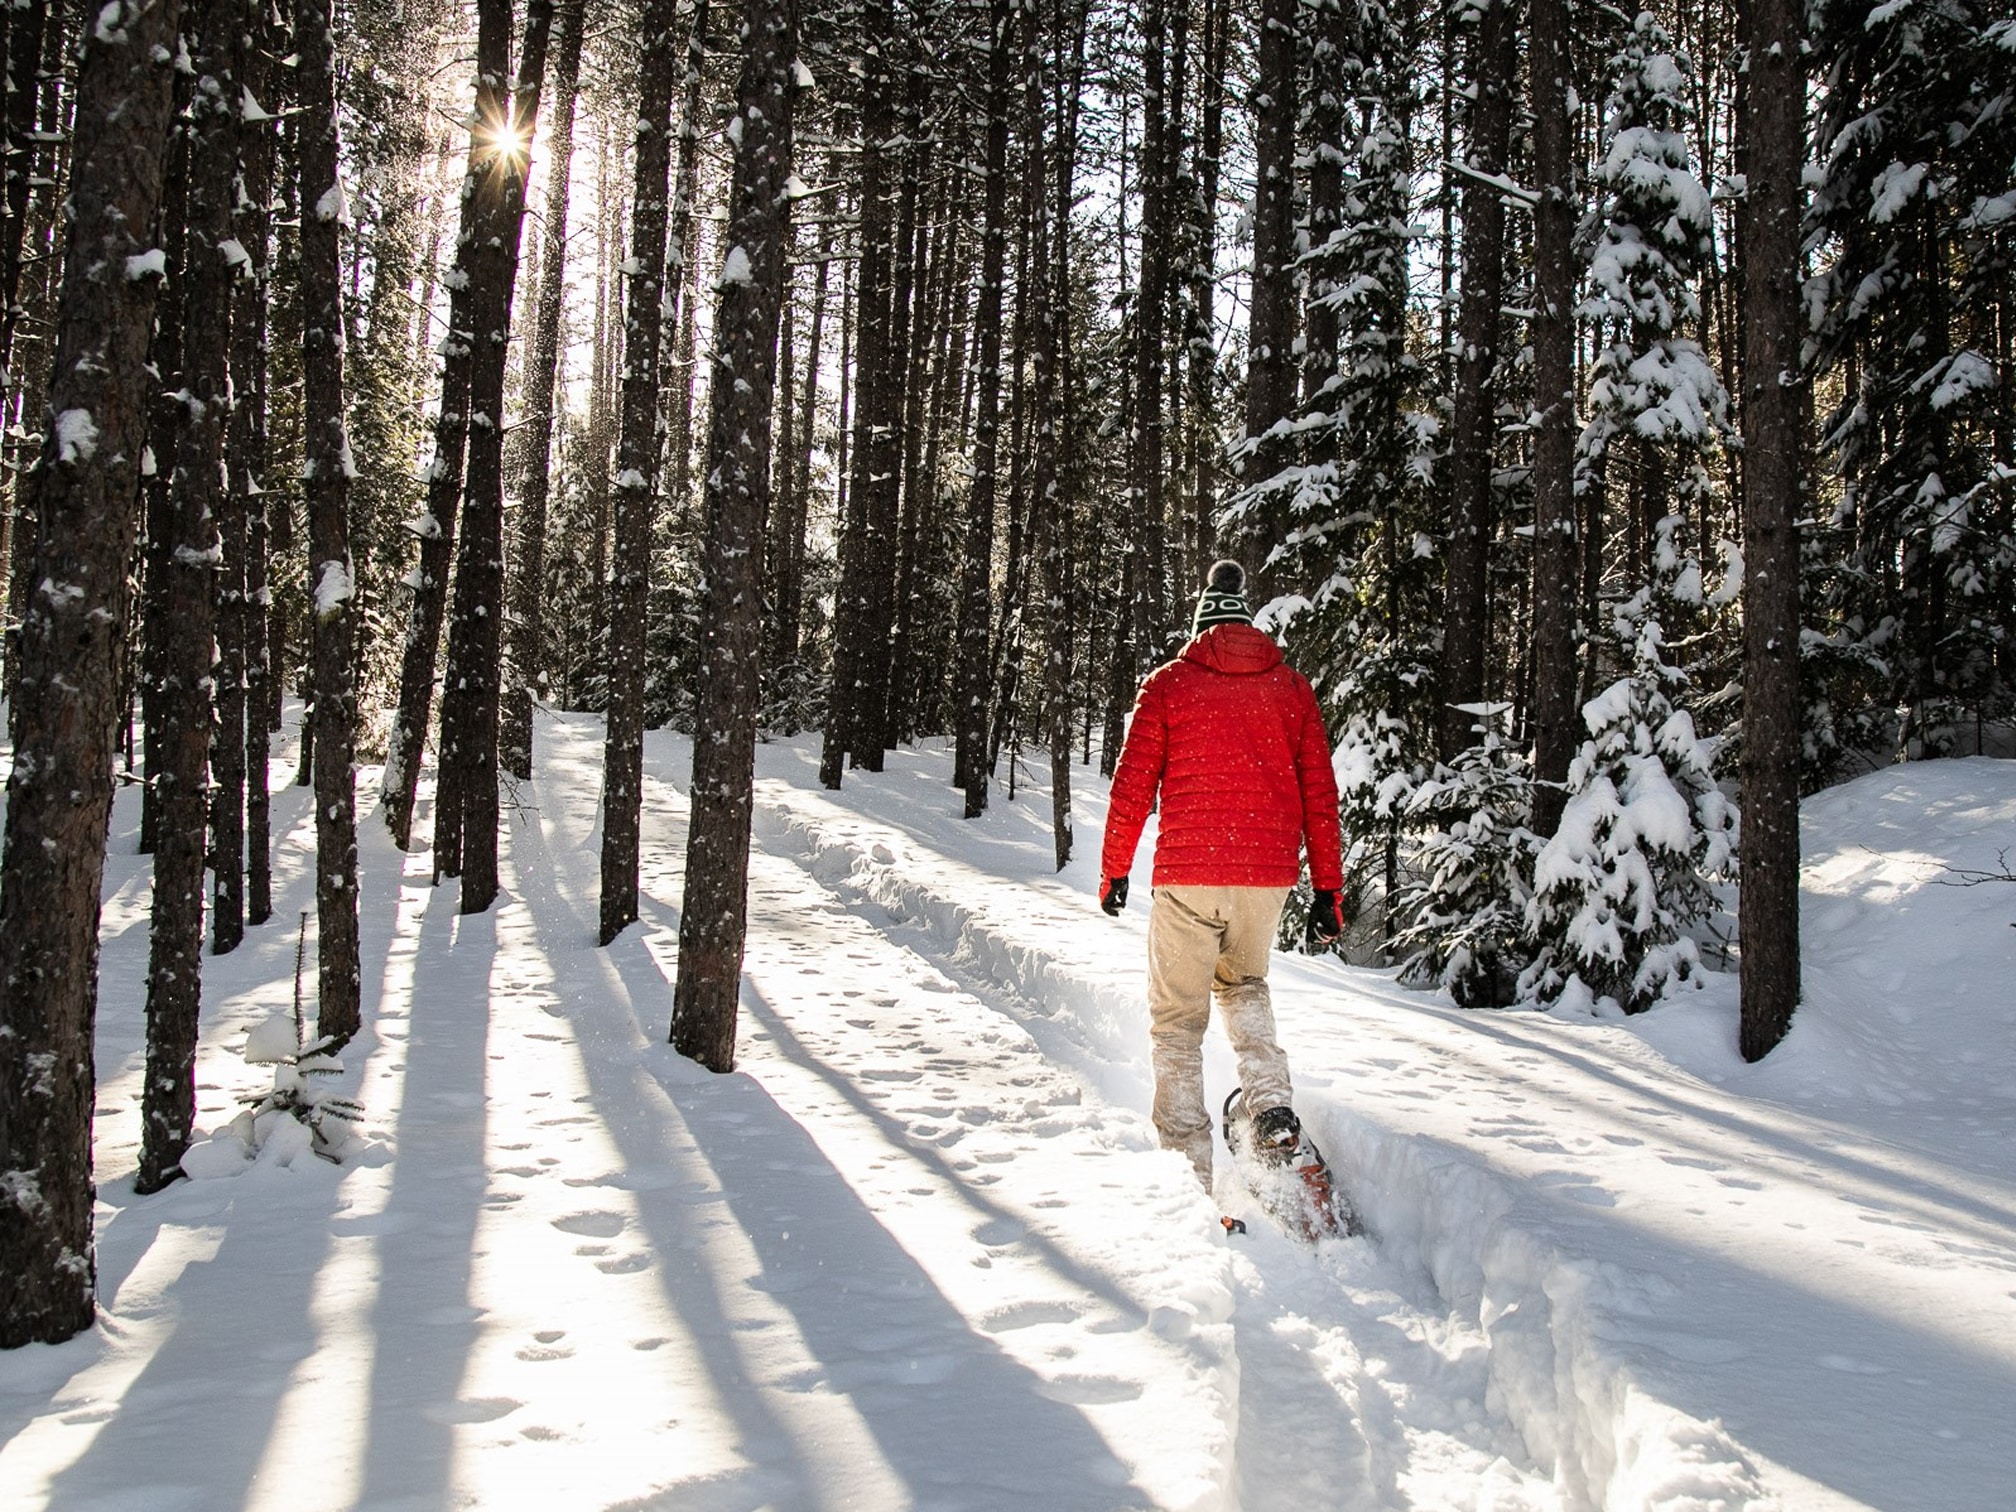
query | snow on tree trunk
[713, 909]
[475, 644]
[192, 557]
[327, 470]
[60, 790]
[637, 450]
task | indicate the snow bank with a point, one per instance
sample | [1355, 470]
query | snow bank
[1684, 1304]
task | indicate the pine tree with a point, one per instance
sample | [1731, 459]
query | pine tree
[713, 910]
[59, 792]
[1771, 123]
[192, 556]
[1915, 564]
[1645, 830]
[327, 469]
[635, 483]
[1465, 910]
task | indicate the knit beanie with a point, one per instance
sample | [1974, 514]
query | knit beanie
[1223, 601]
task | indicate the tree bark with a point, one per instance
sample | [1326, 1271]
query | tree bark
[327, 470]
[1270, 369]
[863, 550]
[465, 810]
[524, 661]
[1771, 131]
[635, 486]
[976, 573]
[192, 557]
[1556, 551]
[60, 790]
[713, 911]
[1464, 631]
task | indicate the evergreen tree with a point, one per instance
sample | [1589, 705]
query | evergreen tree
[1465, 910]
[1911, 226]
[1645, 830]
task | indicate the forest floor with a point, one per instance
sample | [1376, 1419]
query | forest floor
[921, 1251]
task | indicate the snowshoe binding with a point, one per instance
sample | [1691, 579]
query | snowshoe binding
[1286, 1172]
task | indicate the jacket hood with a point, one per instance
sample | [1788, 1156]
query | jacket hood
[1239, 650]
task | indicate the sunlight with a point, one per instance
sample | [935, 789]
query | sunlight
[508, 141]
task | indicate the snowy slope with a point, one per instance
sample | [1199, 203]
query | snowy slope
[920, 1250]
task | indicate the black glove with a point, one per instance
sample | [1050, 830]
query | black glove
[1326, 918]
[1113, 895]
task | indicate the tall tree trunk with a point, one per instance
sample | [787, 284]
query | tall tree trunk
[637, 450]
[482, 190]
[22, 56]
[468, 767]
[59, 792]
[1492, 63]
[1771, 121]
[1556, 552]
[241, 621]
[523, 660]
[1047, 526]
[326, 469]
[878, 733]
[863, 551]
[1201, 410]
[1149, 608]
[713, 911]
[976, 573]
[247, 455]
[196, 497]
[164, 421]
[788, 569]
[1270, 369]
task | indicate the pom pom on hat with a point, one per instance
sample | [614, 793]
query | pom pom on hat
[1223, 601]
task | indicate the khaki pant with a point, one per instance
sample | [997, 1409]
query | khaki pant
[1203, 940]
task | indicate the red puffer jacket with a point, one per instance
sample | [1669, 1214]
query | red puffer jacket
[1233, 739]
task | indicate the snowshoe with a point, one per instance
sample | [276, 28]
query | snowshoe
[1287, 1173]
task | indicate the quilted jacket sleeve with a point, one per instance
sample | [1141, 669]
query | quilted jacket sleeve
[1320, 828]
[1136, 779]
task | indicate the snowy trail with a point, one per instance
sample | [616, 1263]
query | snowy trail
[1354, 1387]
[921, 1251]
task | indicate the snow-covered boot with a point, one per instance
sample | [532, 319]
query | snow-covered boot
[1286, 1172]
[1277, 1135]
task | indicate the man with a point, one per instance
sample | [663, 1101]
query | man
[1231, 739]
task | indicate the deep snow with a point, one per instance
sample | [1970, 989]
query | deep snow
[921, 1250]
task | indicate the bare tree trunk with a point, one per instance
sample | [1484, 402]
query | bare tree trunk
[637, 451]
[713, 911]
[976, 575]
[436, 529]
[465, 809]
[60, 790]
[1149, 607]
[327, 470]
[248, 457]
[239, 826]
[1483, 262]
[863, 551]
[1270, 370]
[164, 419]
[1555, 548]
[196, 496]
[1771, 120]
[524, 661]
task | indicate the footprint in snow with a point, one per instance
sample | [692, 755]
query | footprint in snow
[475, 1410]
[592, 1225]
